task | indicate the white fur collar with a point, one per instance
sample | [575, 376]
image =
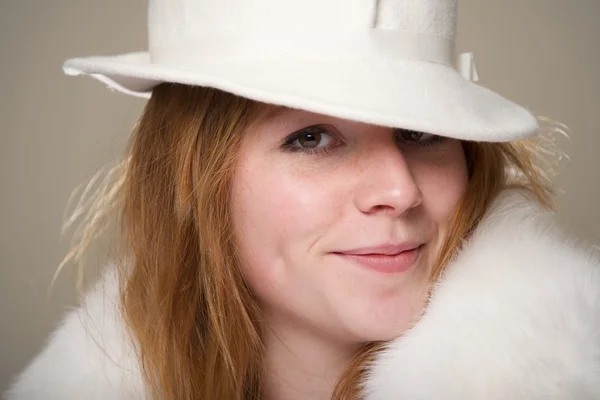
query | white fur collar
[517, 316]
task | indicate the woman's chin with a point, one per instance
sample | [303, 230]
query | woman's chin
[382, 327]
[379, 312]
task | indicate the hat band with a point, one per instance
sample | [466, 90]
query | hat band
[255, 45]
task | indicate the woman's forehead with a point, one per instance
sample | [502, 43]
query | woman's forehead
[274, 112]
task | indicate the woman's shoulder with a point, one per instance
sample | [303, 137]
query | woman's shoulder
[89, 355]
[516, 315]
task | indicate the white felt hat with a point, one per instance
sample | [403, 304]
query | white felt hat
[384, 62]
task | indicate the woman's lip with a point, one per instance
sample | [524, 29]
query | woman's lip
[385, 249]
[384, 263]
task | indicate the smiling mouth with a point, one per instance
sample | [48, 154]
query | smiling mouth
[385, 260]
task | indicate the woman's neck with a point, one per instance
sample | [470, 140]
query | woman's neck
[302, 363]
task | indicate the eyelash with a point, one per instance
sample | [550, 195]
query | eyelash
[289, 141]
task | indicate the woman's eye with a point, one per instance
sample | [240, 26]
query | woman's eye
[412, 136]
[418, 138]
[310, 140]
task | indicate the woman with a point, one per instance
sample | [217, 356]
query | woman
[315, 204]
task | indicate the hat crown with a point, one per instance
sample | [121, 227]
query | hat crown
[170, 21]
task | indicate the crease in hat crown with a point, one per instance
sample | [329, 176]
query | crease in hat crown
[197, 31]
[169, 21]
[383, 62]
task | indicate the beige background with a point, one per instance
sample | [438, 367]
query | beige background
[57, 131]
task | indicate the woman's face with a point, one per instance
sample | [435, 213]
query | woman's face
[339, 222]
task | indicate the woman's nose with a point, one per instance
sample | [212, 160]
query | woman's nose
[386, 183]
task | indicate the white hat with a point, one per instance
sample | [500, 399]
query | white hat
[384, 62]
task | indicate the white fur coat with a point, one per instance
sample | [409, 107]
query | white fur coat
[516, 316]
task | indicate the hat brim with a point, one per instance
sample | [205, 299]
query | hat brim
[410, 94]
